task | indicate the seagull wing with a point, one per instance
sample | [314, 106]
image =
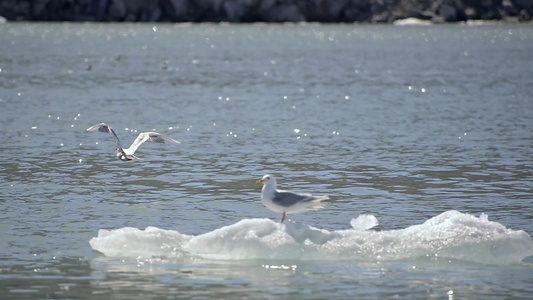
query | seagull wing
[286, 198]
[149, 136]
[293, 202]
[159, 138]
[103, 127]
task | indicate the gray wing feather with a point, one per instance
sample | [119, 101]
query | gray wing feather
[287, 199]
[159, 138]
[103, 127]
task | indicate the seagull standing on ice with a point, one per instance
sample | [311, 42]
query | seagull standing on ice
[127, 154]
[287, 202]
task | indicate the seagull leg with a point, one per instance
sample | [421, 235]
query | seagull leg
[282, 218]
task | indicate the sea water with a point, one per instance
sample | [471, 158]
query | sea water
[421, 136]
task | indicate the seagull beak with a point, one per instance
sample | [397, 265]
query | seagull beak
[260, 181]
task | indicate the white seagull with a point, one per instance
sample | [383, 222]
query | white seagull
[287, 202]
[127, 154]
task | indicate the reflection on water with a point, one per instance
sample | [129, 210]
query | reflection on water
[401, 123]
[157, 277]
[108, 279]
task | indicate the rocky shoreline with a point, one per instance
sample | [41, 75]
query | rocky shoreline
[366, 11]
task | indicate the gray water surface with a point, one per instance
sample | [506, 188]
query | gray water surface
[403, 123]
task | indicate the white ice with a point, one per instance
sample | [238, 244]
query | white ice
[450, 235]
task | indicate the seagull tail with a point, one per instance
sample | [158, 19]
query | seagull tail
[316, 202]
[320, 199]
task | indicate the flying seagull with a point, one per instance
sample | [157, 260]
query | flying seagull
[127, 154]
[287, 202]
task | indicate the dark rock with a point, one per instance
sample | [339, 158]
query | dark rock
[525, 15]
[38, 10]
[134, 10]
[284, 13]
[100, 9]
[509, 8]
[265, 10]
[117, 10]
[238, 10]
[447, 12]
[323, 10]
[356, 11]
[206, 10]
[524, 3]
[265, 5]
[471, 13]
[176, 10]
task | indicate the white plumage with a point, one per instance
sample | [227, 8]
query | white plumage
[287, 202]
[128, 153]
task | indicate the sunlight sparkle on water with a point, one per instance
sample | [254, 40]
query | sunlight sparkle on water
[450, 294]
[280, 267]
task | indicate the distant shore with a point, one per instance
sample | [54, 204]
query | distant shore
[240, 11]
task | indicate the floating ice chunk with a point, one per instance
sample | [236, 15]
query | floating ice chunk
[133, 242]
[248, 238]
[364, 222]
[450, 235]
